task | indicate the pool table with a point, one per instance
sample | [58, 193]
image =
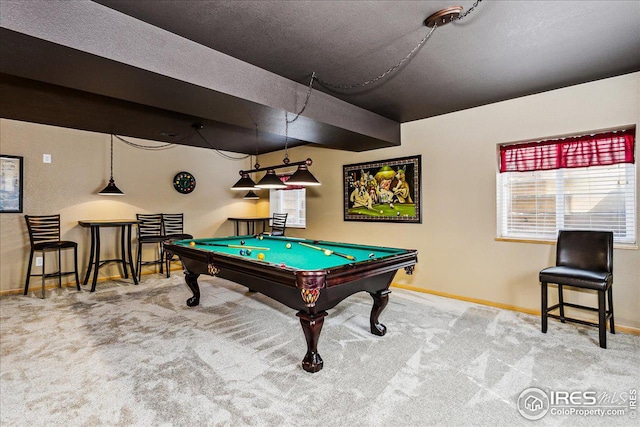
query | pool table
[310, 276]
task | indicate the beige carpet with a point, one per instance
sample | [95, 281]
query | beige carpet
[137, 355]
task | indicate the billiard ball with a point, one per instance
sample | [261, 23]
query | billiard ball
[242, 252]
[381, 211]
[260, 237]
[248, 252]
[242, 242]
[260, 256]
[391, 205]
[372, 255]
[192, 243]
[288, 245]
[397, 213]
[327, 252]
[283, 265]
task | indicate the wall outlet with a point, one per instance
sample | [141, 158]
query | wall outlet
[38, 261]
[46, 158]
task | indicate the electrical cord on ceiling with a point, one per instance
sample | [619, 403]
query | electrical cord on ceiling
[220, 153]
[330, 86]
[164, 146]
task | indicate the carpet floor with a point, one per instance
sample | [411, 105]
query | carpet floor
[138, 356]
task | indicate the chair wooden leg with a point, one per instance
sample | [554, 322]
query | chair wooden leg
[59, 268]
[543, 312]
[75, 266]
[602, 319]
[561, 302]
[43, 272]
[161, 253]
[139, 262]
[168, 265]
[26, 284]
[612, 327]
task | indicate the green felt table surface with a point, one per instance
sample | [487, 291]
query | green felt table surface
[298, 256]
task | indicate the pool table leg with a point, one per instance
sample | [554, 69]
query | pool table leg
[380, 301]
[311, 326]
[192, 282]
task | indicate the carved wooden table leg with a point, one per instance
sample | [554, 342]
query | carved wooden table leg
[380, 301]
[192, 282]
[311, 326]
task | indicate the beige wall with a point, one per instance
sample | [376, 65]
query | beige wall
[458, 253]
[80, 168]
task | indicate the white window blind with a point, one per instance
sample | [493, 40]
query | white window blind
[535, 205]
[291, 202]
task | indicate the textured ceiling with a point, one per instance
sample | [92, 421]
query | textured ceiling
[501, 50]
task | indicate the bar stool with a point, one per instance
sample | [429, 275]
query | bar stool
[584, 260]
[149, 233]
[173, 229]
[44, 235]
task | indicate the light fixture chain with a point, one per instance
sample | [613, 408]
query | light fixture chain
[469, 10]
[111, 157]
[306, 101]
[389, 71]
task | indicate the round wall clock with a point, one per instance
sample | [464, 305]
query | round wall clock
[184, 182]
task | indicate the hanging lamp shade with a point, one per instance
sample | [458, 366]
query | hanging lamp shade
[244, 183]
[251, 196]
[270, 180]
[111, 189]
[303, 177]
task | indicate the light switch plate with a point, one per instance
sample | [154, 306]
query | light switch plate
[46, 158]
[38, 261]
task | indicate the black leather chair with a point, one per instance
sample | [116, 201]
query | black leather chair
[584, 260]
[278, 224]
[173, 229]
[44, 235]
[149, 233]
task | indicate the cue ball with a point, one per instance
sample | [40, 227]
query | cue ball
[242, 242]
[248, 252]
[398, 213]
[288, 245]
[327, 252]
[260, 255]
[381, 211]
[372, 255]
[192, 243]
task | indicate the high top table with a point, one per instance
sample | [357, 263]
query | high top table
[251, 223]
[94, 258]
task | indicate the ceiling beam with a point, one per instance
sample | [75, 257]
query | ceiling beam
[87, 47]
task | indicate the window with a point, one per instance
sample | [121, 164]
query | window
[586, 182]
[292, 201]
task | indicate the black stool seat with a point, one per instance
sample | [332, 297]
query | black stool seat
[597, 280]
[183, 236]
[62, 244]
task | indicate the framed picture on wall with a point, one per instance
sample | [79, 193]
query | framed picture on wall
[385, 190]
[10, 184]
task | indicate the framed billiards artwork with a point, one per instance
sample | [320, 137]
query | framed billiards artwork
[385, 190]
[184, 182]
[11, 184]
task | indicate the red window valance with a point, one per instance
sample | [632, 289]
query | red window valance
[284, 179]
[576, 152]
